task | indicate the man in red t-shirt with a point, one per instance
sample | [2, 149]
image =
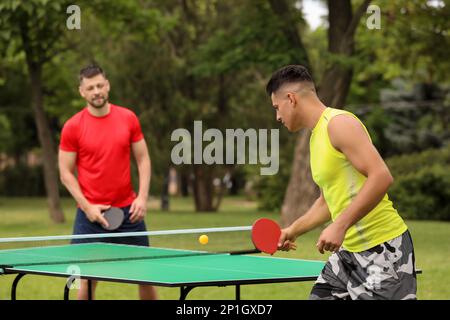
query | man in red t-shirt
[96, 144]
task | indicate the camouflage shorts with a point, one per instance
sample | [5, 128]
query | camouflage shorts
[386, 271]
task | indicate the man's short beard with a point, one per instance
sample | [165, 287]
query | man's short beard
[99, 106]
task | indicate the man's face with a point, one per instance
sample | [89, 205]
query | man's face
[283, 104]
[95, 90]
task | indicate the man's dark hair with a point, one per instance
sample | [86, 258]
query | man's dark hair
[288, 74]
[91, 71]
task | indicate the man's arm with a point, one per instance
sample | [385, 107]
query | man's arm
[141, 155]
[66, 162]
[349, 137]
[317, 215]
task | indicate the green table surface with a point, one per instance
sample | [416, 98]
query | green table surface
[165, 267]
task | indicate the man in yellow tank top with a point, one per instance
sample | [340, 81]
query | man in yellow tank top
[372, 250]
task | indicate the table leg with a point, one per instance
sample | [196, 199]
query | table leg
[238, 292]
[67, 290]
[89, 289]
[184, 290]
[14, 285]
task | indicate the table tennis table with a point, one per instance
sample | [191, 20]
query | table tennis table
[185, 269]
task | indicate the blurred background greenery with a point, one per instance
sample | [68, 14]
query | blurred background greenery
[176, 61]
[173, 62]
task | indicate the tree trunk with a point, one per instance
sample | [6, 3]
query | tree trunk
[47, 144]
[35, 58]
[203, 189]
[282, 9]
[184, 183]
[301, 191]
[165, 202]
[335, 85]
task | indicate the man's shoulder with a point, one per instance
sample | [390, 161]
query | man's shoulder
[75, 120]
[123, 110]
[341, 118]
[332, 112]
[345, 126]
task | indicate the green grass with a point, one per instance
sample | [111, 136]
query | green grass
[29, 217]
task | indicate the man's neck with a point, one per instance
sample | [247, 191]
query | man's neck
[312, 115]
[99, 112]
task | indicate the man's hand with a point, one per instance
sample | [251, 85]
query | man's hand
[331, 238]
[94, 213]
[138, 209]
[287, 240]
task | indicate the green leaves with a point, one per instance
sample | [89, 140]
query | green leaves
[422, 184]
[5, 132]
[423, 194]
[413, 41]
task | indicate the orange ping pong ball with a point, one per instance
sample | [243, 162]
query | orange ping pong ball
[203, 239]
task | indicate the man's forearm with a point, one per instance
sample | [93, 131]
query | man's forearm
[144, 169]
[317, 215]
[370, 195]
[71, 183]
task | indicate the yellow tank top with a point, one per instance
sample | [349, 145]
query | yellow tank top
[340, 182]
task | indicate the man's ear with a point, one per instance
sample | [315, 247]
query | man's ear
[292, 99]
[80, 91]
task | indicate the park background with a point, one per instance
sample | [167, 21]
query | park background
[176, 61]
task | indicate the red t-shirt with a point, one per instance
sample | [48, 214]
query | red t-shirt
[103, 146]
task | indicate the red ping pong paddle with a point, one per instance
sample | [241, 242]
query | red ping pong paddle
[114, 216]
[265, 235]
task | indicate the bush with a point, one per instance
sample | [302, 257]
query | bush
[22, 180]
[25, 181]
[271, 192]
[407, 164]
[421, 189]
